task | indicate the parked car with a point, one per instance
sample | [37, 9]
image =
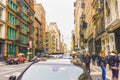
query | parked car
[67, 56]
[53, 69]
[19, 59]
[10, 61]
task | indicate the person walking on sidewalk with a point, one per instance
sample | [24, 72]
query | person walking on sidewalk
[102, 61]
[93, 58]
[113, 61]
[87, 61]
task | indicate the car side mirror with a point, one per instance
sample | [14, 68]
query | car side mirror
[12, 78]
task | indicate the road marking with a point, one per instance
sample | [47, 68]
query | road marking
[6, 69]
[16, 74]
[12, 70]
[14, 65]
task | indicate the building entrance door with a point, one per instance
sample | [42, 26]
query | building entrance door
[117, 39]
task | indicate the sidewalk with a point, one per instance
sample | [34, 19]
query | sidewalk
[96, 73]
[2, 63]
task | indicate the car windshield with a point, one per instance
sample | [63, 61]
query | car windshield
[52, 72]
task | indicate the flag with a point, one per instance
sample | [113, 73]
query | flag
[30, 44]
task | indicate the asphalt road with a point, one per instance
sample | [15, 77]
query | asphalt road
[8, 70]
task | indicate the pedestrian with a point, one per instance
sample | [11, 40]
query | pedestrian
[93, 58]
[108, 58]
[1, 57]
[87, 61]
[102, 59]
[80, 56]
[113, 61]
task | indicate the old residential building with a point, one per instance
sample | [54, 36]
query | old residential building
[112, 26]
[55, 37]
[80, 25]
[73, 41]
[19, 27]
[2, 25]
[48, 39]
[40, 14]
[89, 30]
[77, 12]
[37, 25]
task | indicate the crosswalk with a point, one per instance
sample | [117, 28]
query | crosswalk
[15, 73]
[9, 70]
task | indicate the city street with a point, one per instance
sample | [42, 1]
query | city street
[55, 29]
[8, 70]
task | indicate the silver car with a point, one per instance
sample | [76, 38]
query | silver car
[55, 69]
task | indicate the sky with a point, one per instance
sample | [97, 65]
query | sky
[62, 12]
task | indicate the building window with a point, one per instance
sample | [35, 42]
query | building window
[12, 19]
[23, 26]
[24, 16]
[23, 50]
[11, 33]
[31, 31]
[11, 49]
[31, 23]
[23, 38]
[24, 6]
[12, 5]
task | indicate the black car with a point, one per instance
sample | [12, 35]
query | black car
[54, 69]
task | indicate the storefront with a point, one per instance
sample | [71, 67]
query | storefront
[91, 45]
[108, 42]
[23, 49]
[98, 46]
[1, 46]
[117, 39]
